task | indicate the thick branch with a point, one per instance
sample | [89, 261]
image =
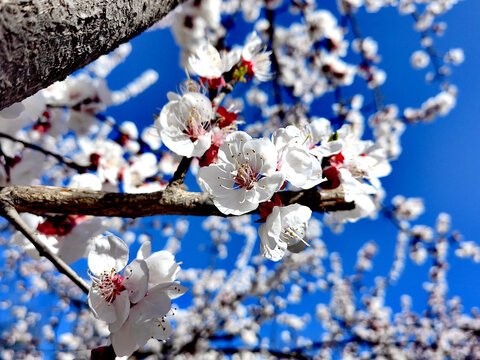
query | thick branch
[43, 200]
[43, 41]
[9, 213]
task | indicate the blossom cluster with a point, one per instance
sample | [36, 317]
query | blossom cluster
[136, 303]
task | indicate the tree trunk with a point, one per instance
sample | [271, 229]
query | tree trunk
[43, 41]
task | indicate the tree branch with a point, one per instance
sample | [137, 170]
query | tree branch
[42, 200]
[11, 214]
[180, 173]
[43, 41]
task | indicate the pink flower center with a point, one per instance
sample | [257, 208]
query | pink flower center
[246, 177]
[193, 123]
[109, 284]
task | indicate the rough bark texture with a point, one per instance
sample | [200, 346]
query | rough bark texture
[43, 41]
[43, 200]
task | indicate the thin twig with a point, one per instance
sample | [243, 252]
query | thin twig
[378, 97]
[432, 53]
[277, 92]
[9, 213]
[61, 159]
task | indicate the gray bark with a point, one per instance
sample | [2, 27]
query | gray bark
[43, 41]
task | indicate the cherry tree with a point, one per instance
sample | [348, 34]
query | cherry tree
[82, 189]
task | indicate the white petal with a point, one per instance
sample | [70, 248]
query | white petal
[216, 179]
[145, 250]
[271, 249]
[161, 329]
[282, 136]
[296, 165]
[270, 245]
[173, 290]
[178, 142]
[155, 304]
[262, 155]
[142, 332]
[77, 244]
[206, 61]
[123, 341]
[100, 308]
[121, 304]
[162, 267]
[236, 140]
[86, 181]
[201, 145]
[320, 129]
[295, 215]
[108, 252]
[235, 204]
[268, 185]
[252, 45]
[136, 280]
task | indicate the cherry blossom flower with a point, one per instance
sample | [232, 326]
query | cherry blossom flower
[86, 97]
[151, 137]
[147, 318]
[255, 59]
[357, 192]
[299, 153]
[184, 124]
[363, 159]
[111, 294]
[419, 59]
[244, 175]
[66, 236]
[285, 228]
[105, 156]
[139, 169]
[209, 64]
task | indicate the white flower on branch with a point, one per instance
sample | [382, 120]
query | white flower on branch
[244, 175]
[210, 64]
[133, 314]
[111, 294]
[419, 59]
[184, 124]
[299, 153]
[255, 58]
[285, 228]
[147, 318]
